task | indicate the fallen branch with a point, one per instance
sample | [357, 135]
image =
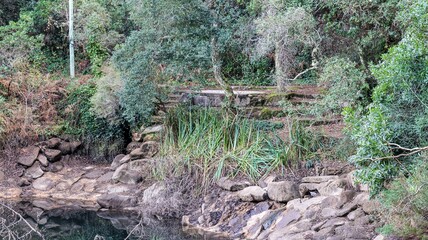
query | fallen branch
[411, 151]
[300, 74]
[23, 219]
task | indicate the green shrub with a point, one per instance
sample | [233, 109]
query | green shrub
[345, 84]
[405, 203]
[398, 112]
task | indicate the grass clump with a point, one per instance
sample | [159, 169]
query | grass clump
[214, 143]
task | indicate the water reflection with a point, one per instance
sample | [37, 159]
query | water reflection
[75, 223]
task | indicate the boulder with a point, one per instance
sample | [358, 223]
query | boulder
[283, 191]
[153, 130]
[28, 155]
[69, 147]
[132, 146]
[114, 201]
[252, 194]
[53, 143]
[43, 160]
[124, 175]
[34, 171]
[147, 150]
[54, 167]
[230, 185]
[52, 155]
[43, 184]
[333, 187]
[116, 161]
[318, 179]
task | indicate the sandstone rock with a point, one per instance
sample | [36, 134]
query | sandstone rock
[230, 185]
[43, 160]
[123, 175]
[43, 184]
[53, 155]
[53, 143]
[113, 201]
[303, 205]
[116, 161]
[10, 193]
[333, 187]
[379, 237]
[153, 130]
[69, 147]
[147, 150]
[252, 194]
[371, 206]
[34, 171]
[318, 179]
[355, 214]
[53, 167]
[105, 178]
[28, 155]
[349, 231]
[283, 191]
[132, 146]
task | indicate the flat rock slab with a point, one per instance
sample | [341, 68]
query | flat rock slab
[28, 155]
[96, 173]
[318, 179]
[43, 184]
[113, 201]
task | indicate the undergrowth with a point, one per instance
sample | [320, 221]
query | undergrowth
[213, 143]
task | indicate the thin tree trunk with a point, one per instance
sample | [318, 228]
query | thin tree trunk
[230, 96]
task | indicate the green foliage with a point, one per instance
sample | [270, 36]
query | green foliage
[405, 203]
[337, 75]
[398, 112]
[81, 121]
[215, 144]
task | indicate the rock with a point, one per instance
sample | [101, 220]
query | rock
[2, 176]
[43, 160]
[379, 237]
[147, 150]
[264, 182]
[355, 214]
[230, 185]
[303, 205]
[123, 175]
[349, 231]
[283, 191]
[116, 161]
[34, 171]
[333, 187]
[53, 155]
[53, 143]
[153, 130]
[143, 166]
[318, 179]
[69, 147]
[114, 201]
[43, 184]
[252, 194]
[10, 193]
[96, 173]
[152, 137]
[371, 206]
[54, 167]
[105, 178]
[23, 182]
[334, 222]
[132, 146]
[28, 155]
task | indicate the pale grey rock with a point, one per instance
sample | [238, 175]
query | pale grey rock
[252, 194]
[283, 191]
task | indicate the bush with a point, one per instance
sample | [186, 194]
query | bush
[405, 203]
[398, 112]
[345, 84]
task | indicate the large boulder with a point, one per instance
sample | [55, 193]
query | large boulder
[115, 201]
[52, 155]
[34, 171]
[127, 176]
[116, 161]
[28, 155]
[232, 185]
[283, 191]
[252, 194]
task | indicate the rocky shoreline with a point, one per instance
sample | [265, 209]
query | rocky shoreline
[317, 207]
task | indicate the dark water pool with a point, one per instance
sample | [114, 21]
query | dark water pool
[79, 224]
